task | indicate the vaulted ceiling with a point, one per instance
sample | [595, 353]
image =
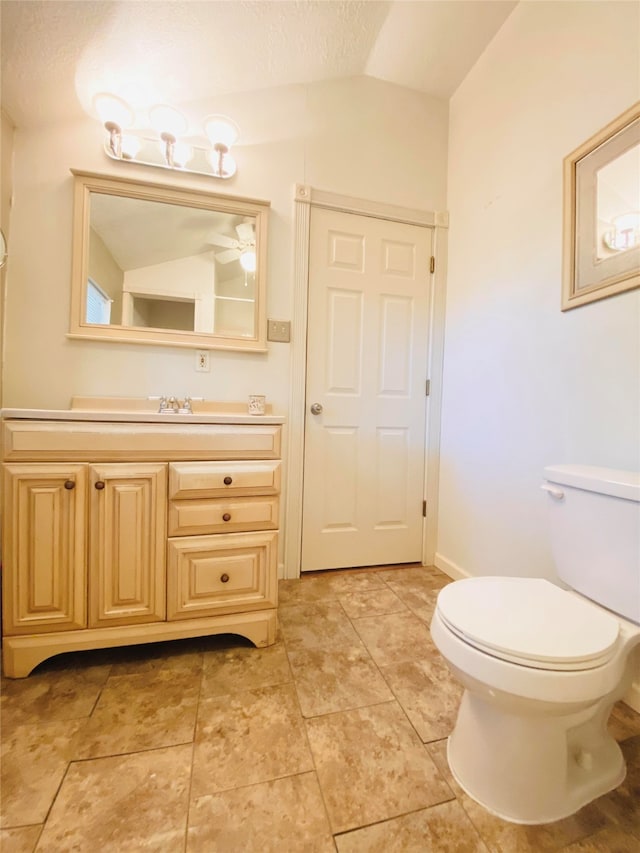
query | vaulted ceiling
[56, 54]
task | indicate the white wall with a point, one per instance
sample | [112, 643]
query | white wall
[524, 384]
[358, 137]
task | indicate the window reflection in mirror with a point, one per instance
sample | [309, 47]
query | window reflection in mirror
[159, 265]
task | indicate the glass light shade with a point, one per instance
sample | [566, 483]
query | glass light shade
[130, 146]
[248, 260]
[221, 130]
[166, 119]
[182, 153]
[111, 108]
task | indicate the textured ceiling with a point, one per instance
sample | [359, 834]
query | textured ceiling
[57, 54]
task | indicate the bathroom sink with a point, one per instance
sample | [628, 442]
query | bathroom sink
[150, 405]
[145, 410]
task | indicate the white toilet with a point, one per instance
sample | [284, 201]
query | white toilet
[542, 666]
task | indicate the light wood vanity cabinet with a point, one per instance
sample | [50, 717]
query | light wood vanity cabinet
[122, 550]
[222, 572]
[44, 547]
[84, 546]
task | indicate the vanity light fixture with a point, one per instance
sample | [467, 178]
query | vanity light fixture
[625, 233]
[168, 150]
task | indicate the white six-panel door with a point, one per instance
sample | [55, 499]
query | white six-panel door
[366, 368]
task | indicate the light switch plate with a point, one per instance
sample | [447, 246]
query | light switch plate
[279, 330]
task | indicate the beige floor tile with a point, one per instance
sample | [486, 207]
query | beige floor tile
[445, 828]
[428, 693]
[33, 762]
[624, 722]
[372, 766]
[329, 585]
[242, 668]
[609, 840]
[126, 803]
[415, 577]
[20, 840]
[622, 806]
[337, 679]
[395, 638]
[246, 738]
[322, 625]
[375, 603]
[504, 837]
[144, 711]
[282, 816]
[63, 692]
[420, 600]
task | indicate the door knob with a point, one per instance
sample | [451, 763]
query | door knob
[316, 408]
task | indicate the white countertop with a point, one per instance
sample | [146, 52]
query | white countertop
[139, 417]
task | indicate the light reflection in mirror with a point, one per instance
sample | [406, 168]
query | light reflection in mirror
[618, 204]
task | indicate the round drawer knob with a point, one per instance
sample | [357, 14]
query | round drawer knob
[100, 485]
[69, 484]
[224, 578]
[226, 516]
[227, 481]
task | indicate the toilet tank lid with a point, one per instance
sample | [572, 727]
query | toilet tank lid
[607, 481]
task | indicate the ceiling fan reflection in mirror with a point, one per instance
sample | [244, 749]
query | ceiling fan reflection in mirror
[242, 248]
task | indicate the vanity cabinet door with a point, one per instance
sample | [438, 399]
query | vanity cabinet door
[227, 573]
[127, 544]
[44, 550]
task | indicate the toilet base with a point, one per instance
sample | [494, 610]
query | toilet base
[532, 769]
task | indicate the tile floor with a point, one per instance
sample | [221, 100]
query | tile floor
[333, 739]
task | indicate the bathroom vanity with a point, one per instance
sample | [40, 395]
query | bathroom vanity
[122, 525]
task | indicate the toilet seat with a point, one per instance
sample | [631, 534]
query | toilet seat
[545, 627]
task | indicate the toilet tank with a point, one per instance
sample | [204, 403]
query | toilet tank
[594, 516]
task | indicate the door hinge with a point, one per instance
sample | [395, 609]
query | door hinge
[432, 265]
[424, 509]
[427, 389]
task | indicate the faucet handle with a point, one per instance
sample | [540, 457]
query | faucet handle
[163, 404]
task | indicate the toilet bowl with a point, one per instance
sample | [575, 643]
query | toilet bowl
[542, 666]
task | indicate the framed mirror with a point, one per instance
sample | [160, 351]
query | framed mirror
[155, 264]
[601, 254]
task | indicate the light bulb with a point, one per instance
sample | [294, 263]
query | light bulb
[166, 119]
[248, 260]
[221, 130]
[113, 109]
[130, 146]
[182, 153]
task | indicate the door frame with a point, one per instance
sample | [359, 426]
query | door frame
[307, 197]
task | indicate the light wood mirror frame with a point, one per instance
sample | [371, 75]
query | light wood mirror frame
[188, 214]
[602, 173]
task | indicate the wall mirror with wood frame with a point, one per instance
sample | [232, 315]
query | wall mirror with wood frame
[156, 264]
[602, 213]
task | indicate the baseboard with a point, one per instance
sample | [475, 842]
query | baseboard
[450, 568]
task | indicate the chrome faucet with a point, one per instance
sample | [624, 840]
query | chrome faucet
[173, 406]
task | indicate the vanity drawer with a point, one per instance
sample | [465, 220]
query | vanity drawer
[99, 442]
[216, 515]
[208, 575]
[218, 479]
